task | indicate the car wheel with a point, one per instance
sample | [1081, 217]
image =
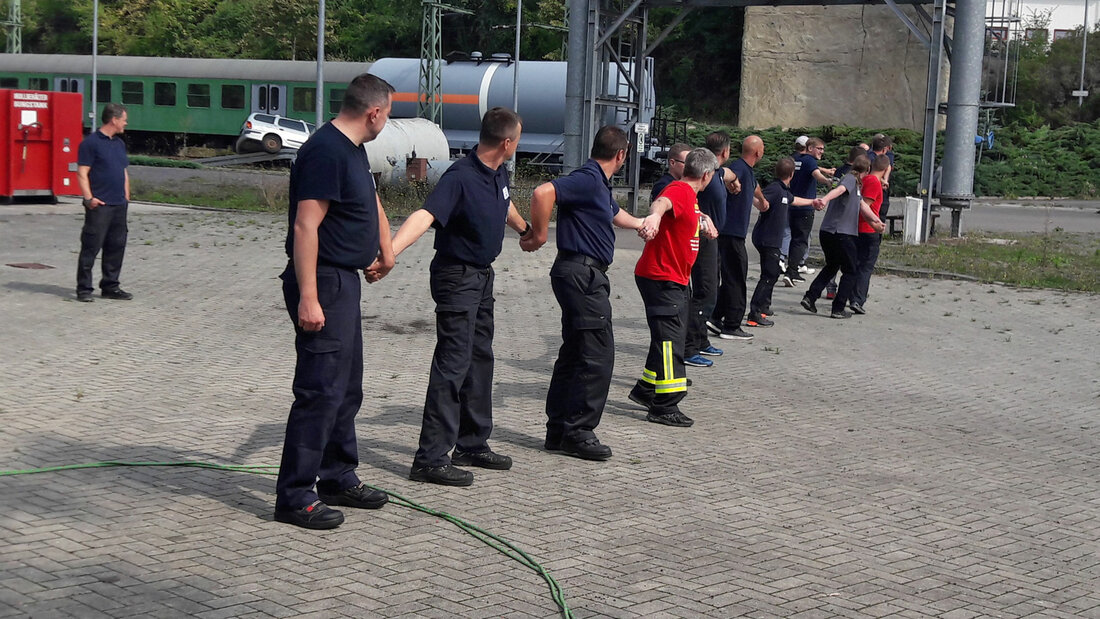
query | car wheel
[272, 143]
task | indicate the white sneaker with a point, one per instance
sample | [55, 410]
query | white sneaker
[786, 281]
[805, 270]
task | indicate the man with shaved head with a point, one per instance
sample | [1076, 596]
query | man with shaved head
[725, 321]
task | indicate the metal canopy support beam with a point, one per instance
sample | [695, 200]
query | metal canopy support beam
[963, 101]
[917, 32]
[431, 52]
[931, 113]
[14, 28]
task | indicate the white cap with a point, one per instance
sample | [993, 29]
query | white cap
[801, 140]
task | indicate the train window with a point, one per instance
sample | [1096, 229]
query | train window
[9, 82]
[164, 93]
[232, 97]
[133, 93]
[103, 91]
[198, 95]
[305, 99]
[335, 100]
[273, 100]
[38, 83]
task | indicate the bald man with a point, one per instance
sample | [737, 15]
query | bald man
[726, 319]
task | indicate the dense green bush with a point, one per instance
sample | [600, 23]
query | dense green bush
[1063, 162]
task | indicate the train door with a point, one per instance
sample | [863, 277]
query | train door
[68, 84]
[269, 99]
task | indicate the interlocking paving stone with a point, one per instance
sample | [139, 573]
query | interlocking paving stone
[936, 457]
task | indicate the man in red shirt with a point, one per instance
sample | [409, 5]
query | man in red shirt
[869, 240]
[662, 276]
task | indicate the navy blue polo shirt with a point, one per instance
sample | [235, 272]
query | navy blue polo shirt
[739, 206]
[585, 211]
[772, 223]
[107, 159]
[660, 185]
[470, 206]
[804, 185]
[712, 199]
[331, 167]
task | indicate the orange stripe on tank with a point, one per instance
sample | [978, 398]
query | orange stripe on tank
[412, 97]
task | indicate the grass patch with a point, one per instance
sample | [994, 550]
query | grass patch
[1057, 259]
[160, 162]
[227, 196]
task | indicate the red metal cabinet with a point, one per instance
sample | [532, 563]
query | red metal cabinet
[39, 136]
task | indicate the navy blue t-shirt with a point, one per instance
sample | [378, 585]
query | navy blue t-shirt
[660, 185]
[772, 223]
[585, 211]
[804, 185]
[739, 206]
[331, 167]
[470, 206]
[712, 199]
[107, 159]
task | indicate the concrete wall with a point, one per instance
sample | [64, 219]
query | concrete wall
[838, 65]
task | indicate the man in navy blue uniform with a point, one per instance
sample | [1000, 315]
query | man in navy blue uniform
[586, 246]
[676, 154]
[732, 293]
[335, 218]
[807, 175]
[105, 185]
[469, 208]
[703, 293]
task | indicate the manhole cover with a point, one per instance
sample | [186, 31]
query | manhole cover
[29, 265]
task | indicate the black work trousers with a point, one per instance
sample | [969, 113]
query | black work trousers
[586, 359]
[664, 377]
[840, 255]
[328, 391]
[104, 229]
[458, 408]
[867, 248]
[769, 273]
[733, 263]
[801, 223]
[704, 296]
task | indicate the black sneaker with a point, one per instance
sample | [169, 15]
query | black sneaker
[484, 459]
[676, 419]
[857, 308]
[443, 475]
[641, 398]
[357, 496]
[758, 321]
[117, 294]
[713, 327]
[84, 297]
[798, 279]
[588, 449]
[736, 334]
[841, 315]
[316, 515]
[809, 304]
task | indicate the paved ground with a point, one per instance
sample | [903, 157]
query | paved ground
[937, 457]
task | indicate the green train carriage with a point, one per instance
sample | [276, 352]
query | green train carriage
[190, 97]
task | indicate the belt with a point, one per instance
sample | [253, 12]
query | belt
[572, 256]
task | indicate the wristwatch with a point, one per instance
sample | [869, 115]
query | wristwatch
[526, 231]
[87, 202]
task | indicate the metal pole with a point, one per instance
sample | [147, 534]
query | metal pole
[515, 78]
[576, 75]
[319, 97]
[95, 58]
[962, 106]
[931, 113]
[1084, 48]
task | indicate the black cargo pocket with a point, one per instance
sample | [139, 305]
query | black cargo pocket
[662, 310]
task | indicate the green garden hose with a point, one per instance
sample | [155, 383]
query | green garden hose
[496, 542]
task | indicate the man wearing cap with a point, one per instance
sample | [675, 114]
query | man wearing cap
[586, 245]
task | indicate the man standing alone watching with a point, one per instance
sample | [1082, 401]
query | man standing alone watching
[105, 184]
